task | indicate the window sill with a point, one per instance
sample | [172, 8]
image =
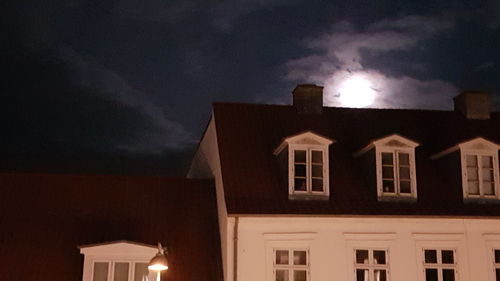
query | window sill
[479, 200]
[395, 198]
[307, 197]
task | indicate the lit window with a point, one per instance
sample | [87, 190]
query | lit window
[117, 261]
[291, 265]
[439, 265]
[496, 254]
[371, 265]
[306, 164]
[480, 175]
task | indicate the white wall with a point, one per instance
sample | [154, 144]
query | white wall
[206, 164]
[331, 240]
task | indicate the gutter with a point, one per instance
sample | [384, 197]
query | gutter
[235, 249]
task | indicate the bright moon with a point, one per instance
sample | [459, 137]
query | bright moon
[356, 92]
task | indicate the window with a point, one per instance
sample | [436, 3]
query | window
[117, 261]
[291, 265]
[496, 262]
[308, 171]
[396, 178]
[439, 265]
[371, 265]
[306, 164]
[395, 167]
[121, 271]
[480, 175]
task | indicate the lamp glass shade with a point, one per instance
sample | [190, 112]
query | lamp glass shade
[158, 262]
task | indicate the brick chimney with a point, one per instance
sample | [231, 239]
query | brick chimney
[308, 98]
[473, 105]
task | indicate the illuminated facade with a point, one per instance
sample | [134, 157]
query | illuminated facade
[310, 193]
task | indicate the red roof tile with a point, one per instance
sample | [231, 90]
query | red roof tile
[248, 135]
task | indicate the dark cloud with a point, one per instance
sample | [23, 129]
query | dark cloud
[339, 54]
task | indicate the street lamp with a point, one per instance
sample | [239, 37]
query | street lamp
[159, 262]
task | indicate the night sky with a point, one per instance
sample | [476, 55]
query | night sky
[126, 86]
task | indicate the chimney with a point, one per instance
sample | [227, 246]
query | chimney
[308, 98]
[473, 105]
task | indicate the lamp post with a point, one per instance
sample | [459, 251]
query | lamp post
[159, 262]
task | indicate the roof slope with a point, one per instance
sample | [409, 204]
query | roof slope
[248, 134]
[44, 218]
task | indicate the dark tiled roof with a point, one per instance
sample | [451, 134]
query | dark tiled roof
[44, 218]
[248, 134]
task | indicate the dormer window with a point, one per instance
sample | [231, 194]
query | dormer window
[479, 168]
[395, 167]
[305, 157]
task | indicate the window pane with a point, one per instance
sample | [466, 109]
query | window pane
[471, 160]
[431, 274]
[404, 159]
[282, 257]
[300, 257]
[300, 184]
[388, 186]
[380, 275]
[361, 256]
[317, 184]
[404, 173]
[448, 275]
[487, 161]
[386, 158]
[317, 157]
[300, 156]
[100, 271]
[473, 187]
[497, 256]
[299, 275]
[388, 172]
[488, 188]
[405, 187]
[141, 272]
[361, 274]
[317, 171]
[472, 174]
[497, 273]
[487, 175]
[447, 257]
[379, 257]
[300, 170]
[281, 274]
[430, 256]
[121, 271]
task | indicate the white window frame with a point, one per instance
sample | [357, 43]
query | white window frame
[288, 240]
[308, 149]
[479, 153]
[290, 266]
[116, 252]
[439, 265]
[309, 142]
[396, 165]
[442, 241]
[371, 266]
[393, 144]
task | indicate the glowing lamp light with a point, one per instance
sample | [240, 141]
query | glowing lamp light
[159, 262]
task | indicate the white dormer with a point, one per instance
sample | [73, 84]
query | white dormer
[117, 261]
[307, 159]
[395, 167]
[479, 166]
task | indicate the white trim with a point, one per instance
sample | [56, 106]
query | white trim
[396, 175]
[303, 138]
[463, 163]
[368, 241]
